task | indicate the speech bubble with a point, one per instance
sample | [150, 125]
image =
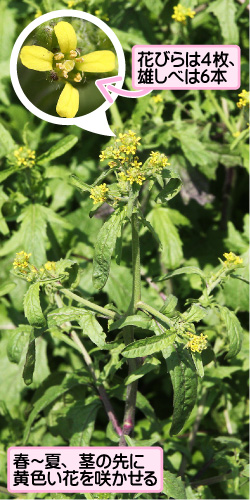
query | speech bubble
[96, 121]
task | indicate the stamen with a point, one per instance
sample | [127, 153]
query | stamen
[59, 56]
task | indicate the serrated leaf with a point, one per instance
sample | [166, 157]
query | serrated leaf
[234, 331]
[147, 346]
[92, 329]
[170, 190]
[168, 234]
[32, 307]
[195, 313]
[51, 394]
[169, 304]
[173, 486]
[183, 270]
[147, 224]
[58, 149]
[104, 247]
[184, 379]
[85, 319]
[134, 320]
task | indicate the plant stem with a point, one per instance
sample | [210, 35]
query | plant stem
[102, 392]
[156, 314]
[88, 361]
[209, 94]
[128, 332]
[88, 304]
[116, 118]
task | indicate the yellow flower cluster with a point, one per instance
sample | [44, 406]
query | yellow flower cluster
[181, 13]
[50, 266]
[24, 157]
[38, 13]
[157, 161]
[132, 175]
[244, 99]
[22, 266]
[21, 261]
[99, 193]
[125, 145]
[197, 343]
[232, 259]
[157, 98]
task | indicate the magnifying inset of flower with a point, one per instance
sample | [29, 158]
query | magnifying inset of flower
[67, 64]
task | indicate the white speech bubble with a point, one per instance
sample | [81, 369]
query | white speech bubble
[96, 121]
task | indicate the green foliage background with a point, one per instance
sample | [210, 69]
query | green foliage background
[50, 218]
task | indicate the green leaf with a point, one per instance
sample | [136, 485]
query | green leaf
[196, 356]
[92, 328]
[79, 183]
[169, 304]
[83, 417]
[17, 342]
[51, 394]
[195, 313]
[183, 270]
[30, 361]
[7, 172]
[32, 307]
[173, 486]
[184, 379]
[58, 149]
[234, 331]
[225, 11]
[171, 189]
[7, 31]
[168, 234]
[104, 247]
[6, 142]
[147, 346]
[6, 288]
[135, 320]
[147, 367]
[147, 224]
[85, 319]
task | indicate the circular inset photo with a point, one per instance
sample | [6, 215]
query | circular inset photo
[59, 63]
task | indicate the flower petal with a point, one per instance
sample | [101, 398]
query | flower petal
[68, 102]
[100, 61]
[37, 58]
[66, 36]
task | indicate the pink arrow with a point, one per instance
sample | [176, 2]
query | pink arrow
[106, 83]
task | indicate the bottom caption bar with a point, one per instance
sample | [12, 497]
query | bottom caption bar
[85, 469]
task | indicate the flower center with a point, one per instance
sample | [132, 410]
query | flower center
[64, 66]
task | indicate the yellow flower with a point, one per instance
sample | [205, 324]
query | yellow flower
[197, 343]
[50, 266]
[38, 13]
[21, 261]
[70, 67]
[244, 99]
[181, 13]
[157, 98]
[236, 134]
[232, 259]
[24, 157]
[99, 193]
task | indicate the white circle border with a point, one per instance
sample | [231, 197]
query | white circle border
[47, 17]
